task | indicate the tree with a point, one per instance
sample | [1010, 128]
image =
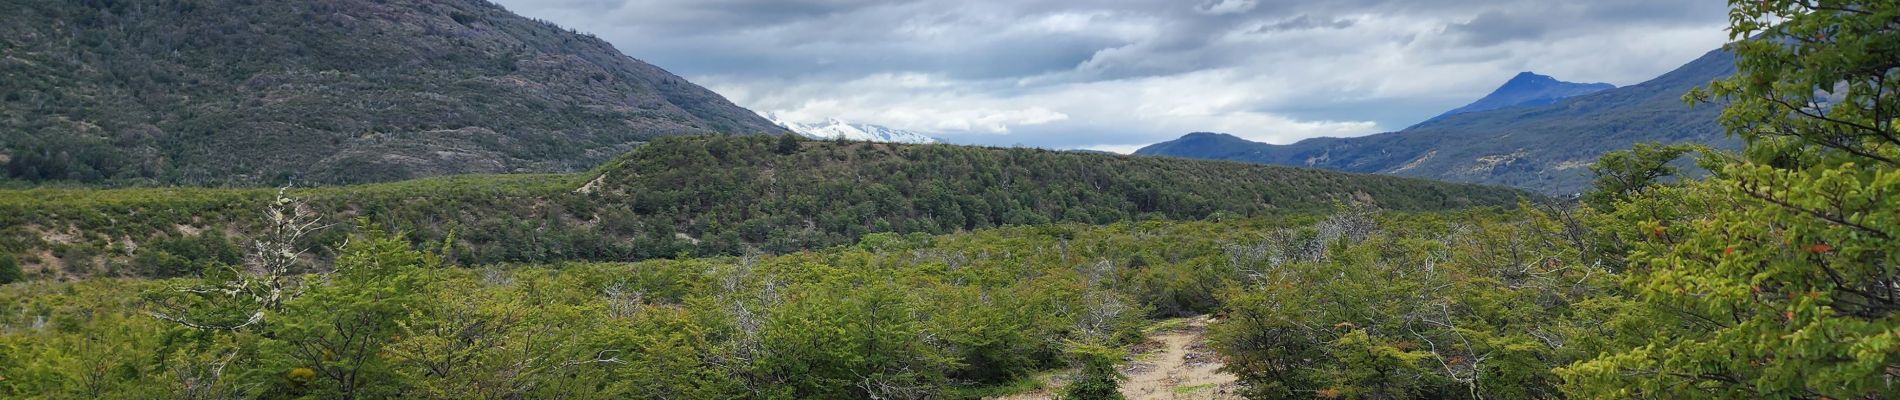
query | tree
[10, 269]
[850, 336]
[1781, 272]
[331, 340]
[230, 298]
[1622, 174]
[787, 144]
[1096, 375]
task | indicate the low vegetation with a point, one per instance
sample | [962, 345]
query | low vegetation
[1772, 278]
[891, 316]
[698, 196]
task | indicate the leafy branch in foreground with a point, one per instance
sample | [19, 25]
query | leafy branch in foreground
[1779, 277]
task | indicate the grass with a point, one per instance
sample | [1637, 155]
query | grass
[1166, 325]
[1021, 385]
[1191, 388]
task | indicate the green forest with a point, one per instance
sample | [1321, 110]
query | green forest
[755, 267]
[692, 196]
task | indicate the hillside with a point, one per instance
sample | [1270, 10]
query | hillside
[699, 196]
[1528, 89]
[234, 92]
[1544, 148]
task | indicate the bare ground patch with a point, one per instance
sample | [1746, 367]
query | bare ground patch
[1174, 364]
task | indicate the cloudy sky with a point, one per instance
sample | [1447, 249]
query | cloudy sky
[1118, 74]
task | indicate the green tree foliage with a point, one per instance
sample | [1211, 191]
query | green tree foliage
[787, 144]
[331, 342]
[1096, 373]
[701, 196]
[10, 269]
[1777, 275]
[1464, 306]
[1624, 174]
[186, 256]
[893, 316]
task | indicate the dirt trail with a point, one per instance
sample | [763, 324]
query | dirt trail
[1178, 366]
[1170, 365]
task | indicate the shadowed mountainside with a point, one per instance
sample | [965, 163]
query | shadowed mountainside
[233, 92]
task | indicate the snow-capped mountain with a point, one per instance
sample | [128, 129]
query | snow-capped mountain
[833, 129]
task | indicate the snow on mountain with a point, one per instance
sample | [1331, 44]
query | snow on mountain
[834, 128]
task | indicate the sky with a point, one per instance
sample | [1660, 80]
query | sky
[1115, 75]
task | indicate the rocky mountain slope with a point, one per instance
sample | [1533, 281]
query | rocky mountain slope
[1545, 148]
[237, 92]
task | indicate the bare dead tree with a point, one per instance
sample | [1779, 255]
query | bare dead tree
[1102, 308]
[268, 277]
[746, 294]
[888, 387]
[1462, 363]
[622, 302]
[205, 380]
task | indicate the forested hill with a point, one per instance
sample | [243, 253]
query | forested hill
[240, 92]
[713, 195]
[1545, 148]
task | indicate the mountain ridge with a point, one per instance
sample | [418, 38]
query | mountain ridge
[1527, 89]
[1543, 148]
[232, 92]
[836, 129]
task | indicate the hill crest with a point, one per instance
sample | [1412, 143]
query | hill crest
[1525, 90]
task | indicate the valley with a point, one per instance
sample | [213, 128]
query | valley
[447, 199]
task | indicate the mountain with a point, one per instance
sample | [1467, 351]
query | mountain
[1545, 148]
[705, 195]
[1528, 89]
[243, 92]
[1205, 145]
[834, 129]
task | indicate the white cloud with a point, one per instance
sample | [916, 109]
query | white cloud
[1113, 148]
[1111, 75]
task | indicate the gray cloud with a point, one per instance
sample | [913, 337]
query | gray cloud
[1118, 73]
[1494, 27]
[1302, 22]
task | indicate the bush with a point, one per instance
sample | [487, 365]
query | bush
[1096, 376]
[9, 269]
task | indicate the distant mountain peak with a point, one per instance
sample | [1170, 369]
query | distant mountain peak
[1200, 143]
[833, 128]
[1545, 148]
[1529, 77]
[1209, 135]
[1528, 89]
